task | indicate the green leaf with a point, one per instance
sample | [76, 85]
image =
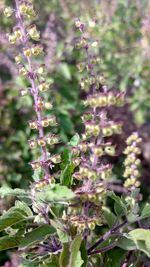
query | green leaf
[114, 257]
[24, 207]
[84, 254]
[78, 261]
[119, 206]
[139, 234]
[71, 254]
[109, 217]
[56, 224]
[74, 140]
[11, 217]
[7, 242]
[64, 69]
[51, 262]
[66, 175]
[55, 193]
[126, 243]
[65, 255]
[141, 238]
[38, 174]
[75, 256]
[146, 211]
[63, 236]
[7, 191]
[132, 217]
[37, 235]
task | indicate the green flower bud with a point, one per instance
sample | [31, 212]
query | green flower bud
[91, 225]
[44, 86]
[12, 39]
[98, 151]
[41, 142]
[33, 124]
[92, 197]
[27, 52]
[33, 33]
[36, 50]
[32, 143]
[22, 70]
[107, 131]
[18, 59]
[35, 165]
[41, 70]
[56, 158]
[83, 147]
[52, 139]
[76, 161]
[110, 150]
[111, 99]
[117, 128]
[101, 79]
[18, 33]
[80, 67]
[8, 11]
[45, 122]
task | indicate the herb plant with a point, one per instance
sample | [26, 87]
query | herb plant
[76, 212]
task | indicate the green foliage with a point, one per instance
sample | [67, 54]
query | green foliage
[63, 236]
[109, 217]
[71, 255]
[67, 168]
[141, 238]
[55, 193]
[7, 191]
[36, 236]
[14, 215]
[74, 140]
[145, 211]
[119, 206]
[7, 242]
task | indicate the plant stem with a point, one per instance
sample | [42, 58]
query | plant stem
[107, 235]
[35, 91]
[101, 250]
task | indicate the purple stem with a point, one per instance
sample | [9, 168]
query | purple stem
[107, 235]
[35, 91]
[101, 250]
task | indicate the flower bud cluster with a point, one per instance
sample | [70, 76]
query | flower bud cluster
[55, 159]
[95, 127]
[95, 194]
[45, 122]
[90, 156]
[27, 9]
[81, 223]
[104, 100]
[131, 162]
[36, 75]
[50, 139]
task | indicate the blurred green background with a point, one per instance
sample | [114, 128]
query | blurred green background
[123, 33]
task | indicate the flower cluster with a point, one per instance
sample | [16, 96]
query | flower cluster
[132, 162]
[27, 36]
[90, 157]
